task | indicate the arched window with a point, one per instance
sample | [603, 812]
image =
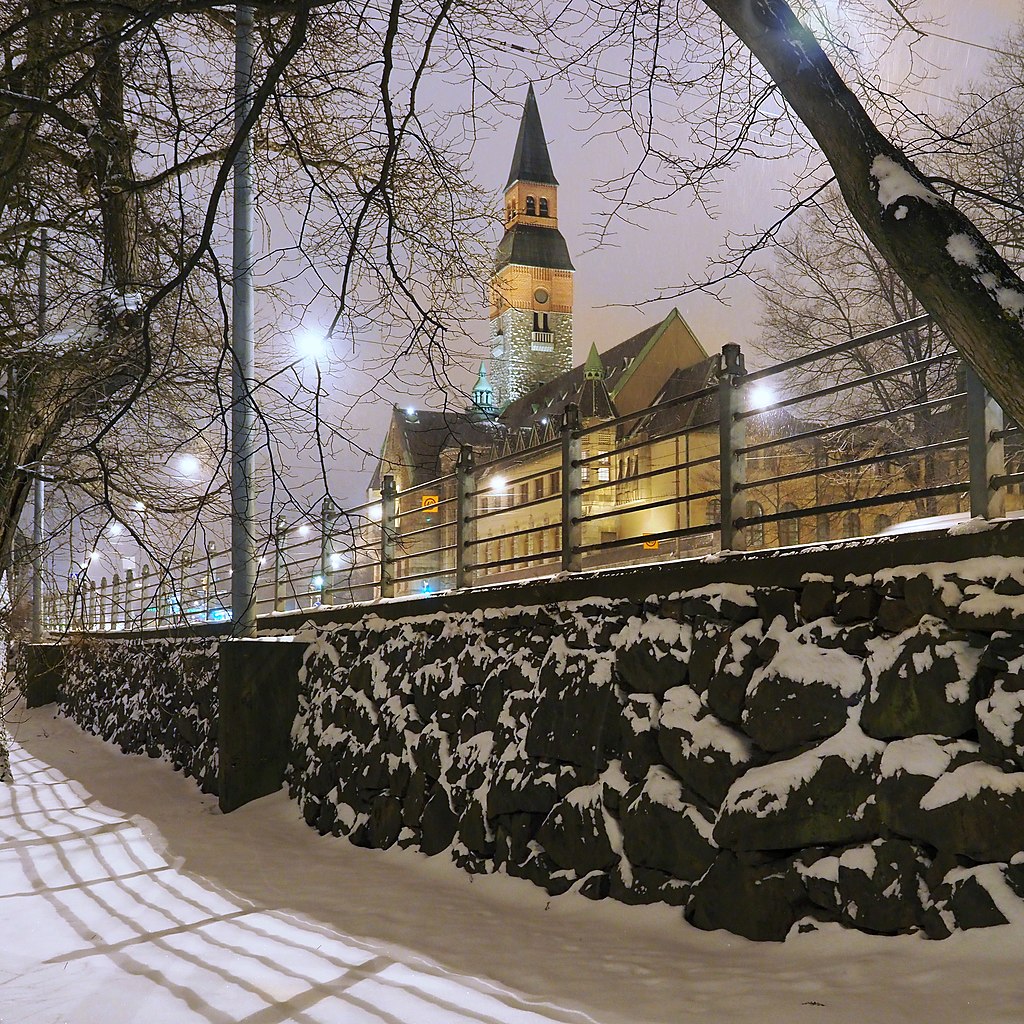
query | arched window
[789, 529]
[851, 524]
[714, 511]
[543, 207]
[755, 532]
[531, 206]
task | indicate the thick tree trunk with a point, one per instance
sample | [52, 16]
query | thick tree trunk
[948, 264]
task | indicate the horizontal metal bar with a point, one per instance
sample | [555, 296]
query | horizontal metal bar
[513, 533]
[538, 475]
[837, 389]
[443, 570]
[856, 503]
[688, 531]
[1006, 478]
[833, 467]
[537, 557]
[670, 436]
[677, 500]
[434, 484]
[478, 516]
[1009, 431]
[839, 349]
[405, 535]
[427, 509]
[864, 421]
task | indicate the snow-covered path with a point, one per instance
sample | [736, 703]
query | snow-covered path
[125, 896]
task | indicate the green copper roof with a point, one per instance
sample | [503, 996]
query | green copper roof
[531, 161]
[594, 368]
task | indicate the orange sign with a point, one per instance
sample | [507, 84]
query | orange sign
[650, 545]
[429, 502]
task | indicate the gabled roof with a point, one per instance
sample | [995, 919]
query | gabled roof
[531, 162]
[550, 399]
[425, 434]
[683, 382]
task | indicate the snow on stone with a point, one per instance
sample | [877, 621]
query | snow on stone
[968, 781]
[922, 755]
[1000, 713]
[981, 600]
[739, 594]
[661, 633]
[680, 710]
[895, 182]
[662, 787]
[799, 659]
[766, 790]
[991, 878]
[860, 858]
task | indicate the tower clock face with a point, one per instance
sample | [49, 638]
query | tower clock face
[541, 296]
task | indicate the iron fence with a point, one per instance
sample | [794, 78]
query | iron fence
[720, 467]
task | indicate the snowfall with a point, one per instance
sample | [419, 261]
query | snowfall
[125, 895]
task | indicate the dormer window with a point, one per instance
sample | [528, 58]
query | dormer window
[531, 206]
[543, 207]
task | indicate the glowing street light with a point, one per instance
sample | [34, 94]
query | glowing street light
[761, 397]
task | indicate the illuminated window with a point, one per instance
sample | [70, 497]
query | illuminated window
[755, 532]
[789, 529]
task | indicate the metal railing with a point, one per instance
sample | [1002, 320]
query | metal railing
[715, 468]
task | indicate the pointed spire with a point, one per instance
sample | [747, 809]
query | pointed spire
[594, 368]
[531, 161]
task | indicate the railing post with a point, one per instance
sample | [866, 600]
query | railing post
[116, 600]
[326, 551]
[279, 537]
[732, 434]
[572, 481]
[129, 580]
[388, 524]
[209, 586]
[985, 454]
[465, 522]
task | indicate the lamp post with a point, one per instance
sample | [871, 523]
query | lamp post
[39, 491]
[243, 416]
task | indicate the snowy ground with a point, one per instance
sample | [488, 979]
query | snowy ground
[126, 896]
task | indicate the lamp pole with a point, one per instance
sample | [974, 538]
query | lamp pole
[39, 490]
[243, 414]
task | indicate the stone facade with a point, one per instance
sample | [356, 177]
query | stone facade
[519, 363]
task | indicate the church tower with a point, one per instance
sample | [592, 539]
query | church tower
[531, 288]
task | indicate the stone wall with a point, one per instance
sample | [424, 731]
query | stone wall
[762, 757]
[156, 697]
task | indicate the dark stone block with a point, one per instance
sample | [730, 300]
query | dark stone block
[928, 686]
[895, 615]
[781, 713]
[574, 835]
[643, 668]
[385, 822]
[576, 718]
[709, 638]
[660, 830]
[473, 831]
[857, 605]
[775, 601]
[639, 735]
[706, 754]
[439, 823]
[760, 902]
[522, 787]
[817, 599]
[829, 800]
[736, 665]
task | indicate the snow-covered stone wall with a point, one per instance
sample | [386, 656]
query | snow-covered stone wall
[764, 758]
[156, 697]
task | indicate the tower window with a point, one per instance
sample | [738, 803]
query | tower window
[531, 206]
[543, 207]
[540, 321]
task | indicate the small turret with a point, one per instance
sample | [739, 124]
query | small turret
[483, 396]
